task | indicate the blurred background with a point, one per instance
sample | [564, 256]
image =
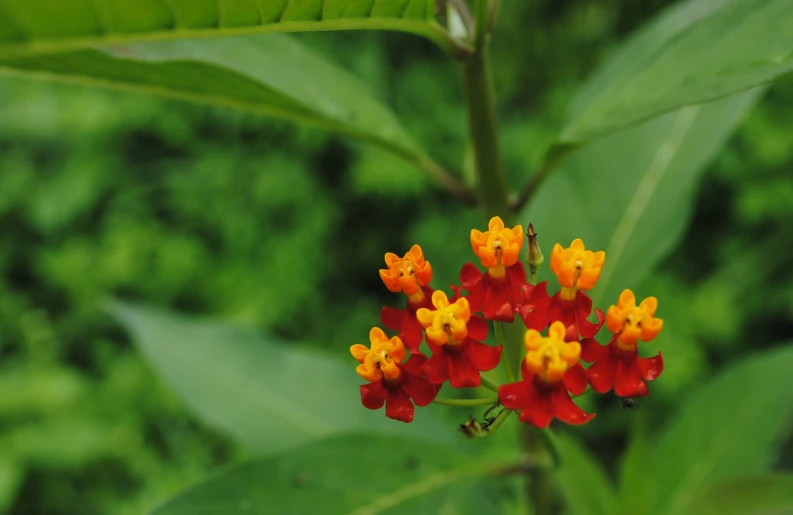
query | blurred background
[106, 193]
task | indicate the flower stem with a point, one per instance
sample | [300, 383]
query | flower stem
[505, 413]
[487, 401]
[504, 355]
[489, 384]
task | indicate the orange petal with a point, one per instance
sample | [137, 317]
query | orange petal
[359, 351]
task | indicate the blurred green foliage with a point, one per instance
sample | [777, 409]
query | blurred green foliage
[280, 227]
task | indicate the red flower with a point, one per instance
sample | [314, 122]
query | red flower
[539, 310]
[393, 383]
[550, 370]
[410, 274]
[618, 365]
[404, 321]
[454, 337]
[498, 292]
[576, 269]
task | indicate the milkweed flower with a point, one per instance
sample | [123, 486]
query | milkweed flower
[410, 274]
[393, 383]
[550, 372]
[454, 336]
[618, 365]
[498, 292]
[577, 269]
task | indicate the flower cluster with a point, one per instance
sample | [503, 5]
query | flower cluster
[552, 365]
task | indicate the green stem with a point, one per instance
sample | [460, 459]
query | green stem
[505, 359]
[505, 413]
[487, 401]
[482, 123]
[490, 384]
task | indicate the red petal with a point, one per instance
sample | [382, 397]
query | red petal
[398, 405]
[392, 318]
[470, 276]
[419, 389]
[575, 379]
[437, 367]
[414, 364]
[583, 309]
[601, 374]
[628, 382]
[537, 319]
[651, 368]
[516, 395]
[566, 410]
[412, 333]
[541, 412]
[516, 279]
[496, 305]
[572, 334]
[373, 395]
[477, 328]
[591, 350]
[562, 310]
[462, 372]
[537, 295]
[484, 357]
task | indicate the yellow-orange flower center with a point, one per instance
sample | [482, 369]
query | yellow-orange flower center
[380, 360]
[631, 322]
[550, 357]
[447, 323]
[498, 247]
[408, 273]
[576, 268]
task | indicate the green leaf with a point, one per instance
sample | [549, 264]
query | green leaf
[268, 396]
[273, 75]
[351, 475]
[696, 51]
[634, 482]
[57, 25]
[631, 194]
[760, 495]
[584, 484]
[729, 428]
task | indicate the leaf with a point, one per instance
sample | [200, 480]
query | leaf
[56, 25]
[634, 483]
[759, 495]
[273, 75]
[584, 484]
[267, 396]
[730, 427]
[631, 194]
[352, 475]
[696, 51]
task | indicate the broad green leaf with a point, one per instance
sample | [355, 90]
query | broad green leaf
[272, 74]
[631, 194]
[268, 396]
[359, 474]
[758, 495]
[634, 481]
[57, 25]
[585, 486]
[729, 428]
[697, 51]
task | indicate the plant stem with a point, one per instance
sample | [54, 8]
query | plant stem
[482, 125]
[505, 413]
[487, 401]
[493, 194]
[489, 384]
[505, 359]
